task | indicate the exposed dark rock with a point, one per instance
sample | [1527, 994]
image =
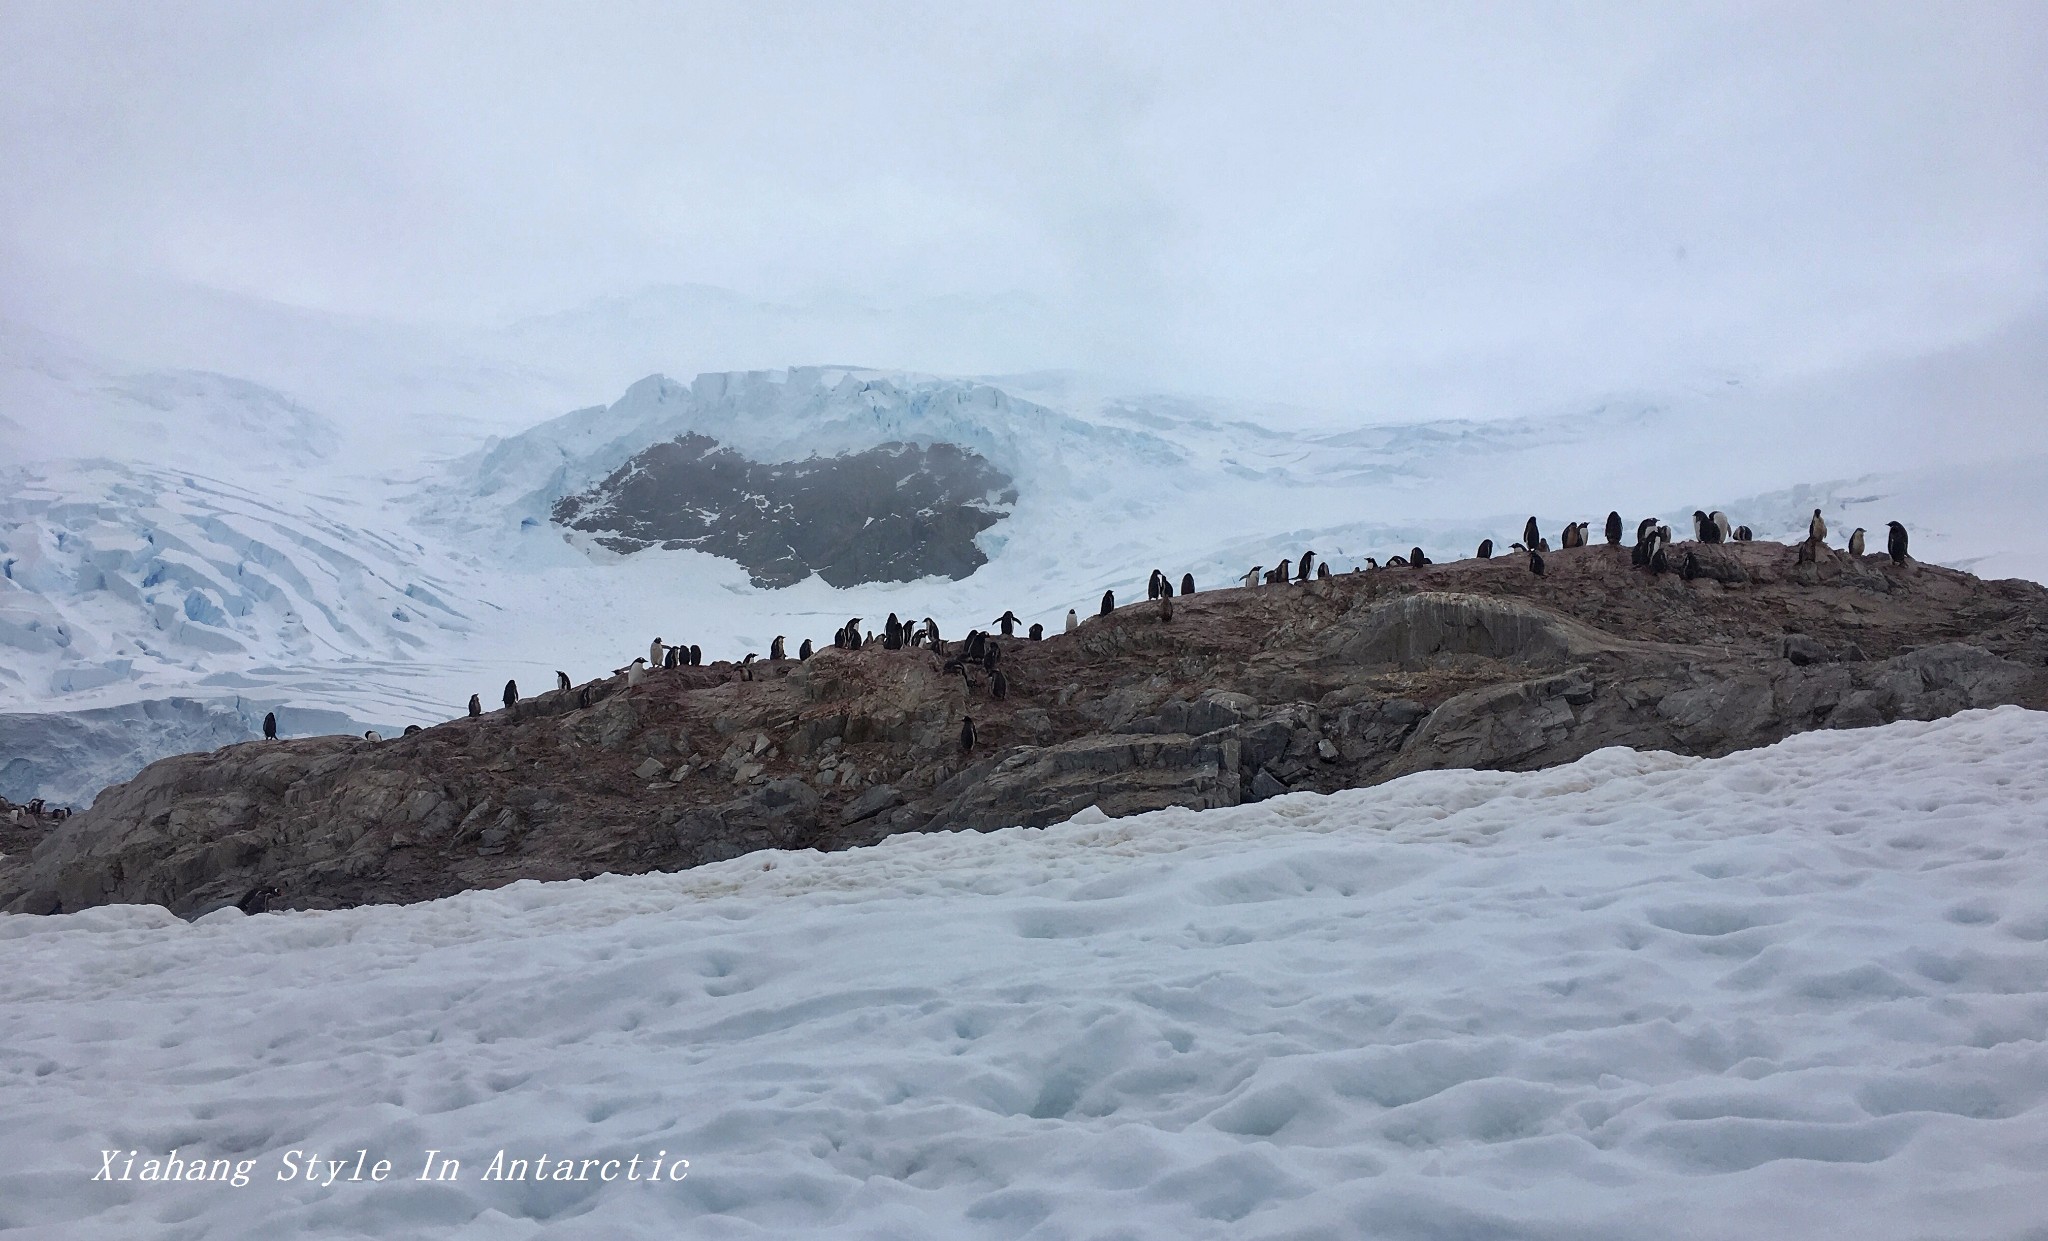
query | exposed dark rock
[1330, 684]
[891, 514]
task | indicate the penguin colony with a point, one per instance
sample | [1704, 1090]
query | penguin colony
[1652, 550]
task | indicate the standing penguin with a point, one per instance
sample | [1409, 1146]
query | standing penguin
[804, 652]
[1416, 559]
[696, 655]
[931, 633]
[998, 685]
[1322, 570]
[1613, 529]
[1252, 578]
[1895, 542]
[561, 679]
[636, 672]
[270, 720]
[1535, 563]
[1302, 574]
[1281, 576]
[1725, 533]
[1856, 541]
[966, 734]
[1485, 549]
[1530, 533]
[1008, 623]
[1037, 632]
[776, 650]
[892, 634]
[476, 706]
[1743, 534]
[1689, 568]
[1817, 529]
[1073, 621]
[1165, 609]
[511, 695]
[1108, 603]
[1187, 583]
[1152, 585]
[654, 650]
[1700, 530]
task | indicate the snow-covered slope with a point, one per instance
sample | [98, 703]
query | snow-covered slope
[1795, 992]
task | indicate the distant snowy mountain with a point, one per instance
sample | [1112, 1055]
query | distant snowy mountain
[360, 523]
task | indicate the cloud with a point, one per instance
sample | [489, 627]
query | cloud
[1455, 208]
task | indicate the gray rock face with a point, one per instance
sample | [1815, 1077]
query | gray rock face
[891, 514]
[1248, 694]
[1121, 773]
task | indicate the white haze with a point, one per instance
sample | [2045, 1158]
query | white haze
[1387, 213]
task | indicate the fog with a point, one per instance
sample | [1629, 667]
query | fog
[1387, 212]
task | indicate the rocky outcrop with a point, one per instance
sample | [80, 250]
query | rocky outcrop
[1244, 694]
[893, 513]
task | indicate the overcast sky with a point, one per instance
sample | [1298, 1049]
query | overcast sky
[1304, 200]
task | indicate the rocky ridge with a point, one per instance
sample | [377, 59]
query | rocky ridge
[1242, 694]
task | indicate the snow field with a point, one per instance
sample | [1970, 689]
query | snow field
[1796, 992]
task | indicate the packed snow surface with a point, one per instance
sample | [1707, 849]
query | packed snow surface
[1795, 992]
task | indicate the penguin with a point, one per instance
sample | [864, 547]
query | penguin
[512, 696]
[1322, 570]
[1166, 609]
[977, 643]
[1895, 542]
[1744, 534]
[839, 637]
[372, 735]
[1689, 568]
[1253, 577]
[1639, 555]
[1485, 549]
[1699, 526]
[998, 685]
[776, 650]
[1152, 586]
[1613, 528]
[1657, 562]
[673, 657]
[1301, 574]
[1369, 566]
[582, 697]
[1282, 574]
[561, 680]
[636, 671]
[803, 652]
[990, 652]
[654, 650]
[1108, 603]
[1416, 559]
[747, 666]
[1187, 583]
[1530, 532]
[1645, 528]
[410, 729]
[1397, 562]
[696, 655]
[270, 721]
[1817, 529]
[1073, 621]
[1535, 564]
[1542, 545]
[1856, 541]
[1037, 632]
[1723, 531]
[1008, 623]
[259, 900]
[966, 734]
[476, 708]
[892, 634]
[853, 638]
[1664, 534]
[931, 633]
